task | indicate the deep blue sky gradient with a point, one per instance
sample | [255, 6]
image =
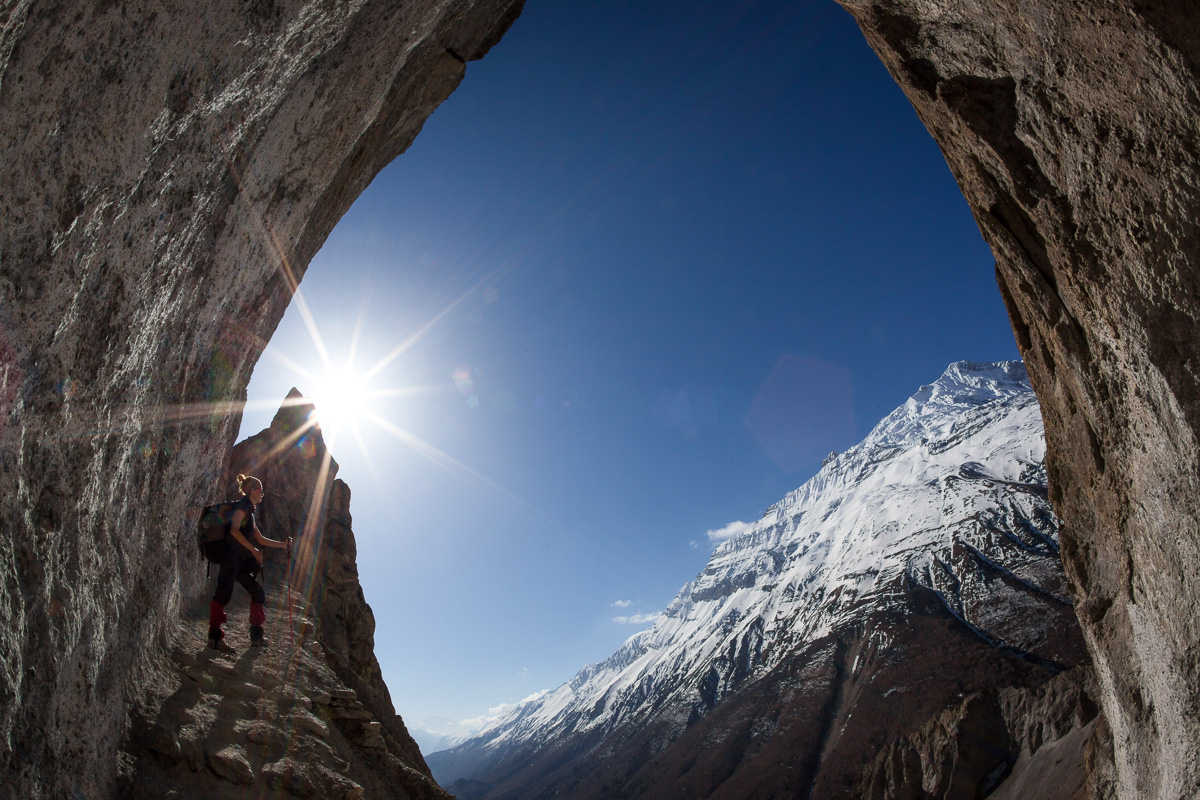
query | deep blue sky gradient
[694, 246]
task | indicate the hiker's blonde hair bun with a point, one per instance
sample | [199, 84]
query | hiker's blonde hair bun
[243, 480]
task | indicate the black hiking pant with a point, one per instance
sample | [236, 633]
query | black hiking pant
[241, 567]
[238, 566]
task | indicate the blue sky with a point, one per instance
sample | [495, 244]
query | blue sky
[647, 267]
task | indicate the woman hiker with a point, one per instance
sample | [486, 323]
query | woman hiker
[241, 563]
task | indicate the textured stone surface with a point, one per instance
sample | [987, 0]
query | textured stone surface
[1014, 744]
[959, 755]
[282, 717]
[1074, 131]
[305, 500]
[231, 764]
[168, 171]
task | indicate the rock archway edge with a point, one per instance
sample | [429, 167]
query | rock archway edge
[1074, 132]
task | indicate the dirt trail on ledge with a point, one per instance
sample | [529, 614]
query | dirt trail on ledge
[272, 721]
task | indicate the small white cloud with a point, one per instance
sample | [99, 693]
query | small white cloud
[732, 529]
[692, 544]
[638, 619]
[622, 604]
[476, 724]
[494, 713]
[535, 696]
[442, 726]
[524, 671]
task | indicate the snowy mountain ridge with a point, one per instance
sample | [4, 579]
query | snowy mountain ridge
[947, 493]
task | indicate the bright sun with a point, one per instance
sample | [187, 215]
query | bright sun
[341, 400]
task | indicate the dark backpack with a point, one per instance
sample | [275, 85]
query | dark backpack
[213, 531]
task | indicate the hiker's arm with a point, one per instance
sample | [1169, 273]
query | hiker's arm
[235, 529]
[265, 542]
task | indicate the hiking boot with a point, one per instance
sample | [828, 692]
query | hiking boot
[218, 643]
[257, 639]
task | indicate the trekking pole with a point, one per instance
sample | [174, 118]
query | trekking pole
[291, 627]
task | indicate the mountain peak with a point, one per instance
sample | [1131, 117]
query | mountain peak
[928, 545]
[294, 415]
[937, 410]
[973, 382]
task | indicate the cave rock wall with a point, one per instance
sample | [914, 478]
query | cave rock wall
[168, 171]
[1074, 132]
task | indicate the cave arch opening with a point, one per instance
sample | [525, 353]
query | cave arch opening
[1095, 245]
[618, 273]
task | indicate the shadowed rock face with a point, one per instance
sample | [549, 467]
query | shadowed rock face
[1015, 744]
[168, 171]
[306, 715]
[304, 499]
[1074, 132]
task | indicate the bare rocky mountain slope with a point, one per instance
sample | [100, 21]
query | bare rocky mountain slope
[307, 716]
[169, 171]
[918, 568]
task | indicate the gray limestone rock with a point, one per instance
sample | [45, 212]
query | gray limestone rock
[230, 763]
[168, 171]
[1014, 744]
[1074, 131]
[208, 739]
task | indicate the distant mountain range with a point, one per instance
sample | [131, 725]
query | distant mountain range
[431, 742]
[914, 569]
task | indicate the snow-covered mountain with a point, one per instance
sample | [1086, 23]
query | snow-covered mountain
[921, 563]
